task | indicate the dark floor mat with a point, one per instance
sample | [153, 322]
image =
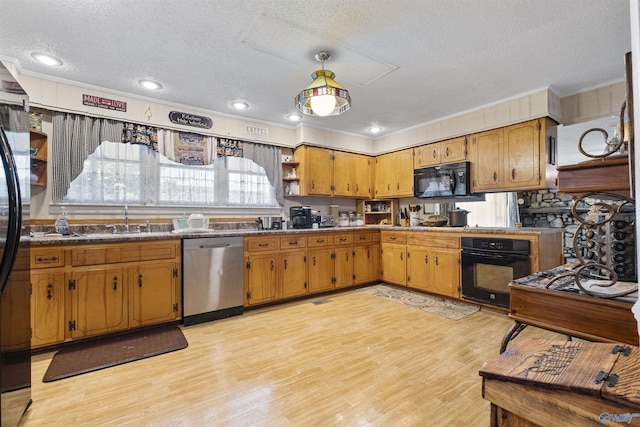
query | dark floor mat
[82, 357]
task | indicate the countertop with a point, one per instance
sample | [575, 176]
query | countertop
[76, 238]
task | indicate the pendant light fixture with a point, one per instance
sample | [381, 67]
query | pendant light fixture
[323, 97]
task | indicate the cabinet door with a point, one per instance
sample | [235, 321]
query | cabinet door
[522, 155]
[394, 268]
[342, 178]
[99, 303]
[343, 266]
[14, 311]
[403, 170]
[152, 290]
[294, 274]
[361, 175]
[427, 155]
[384, 175]
[486, 157]
[445, 278]
[321, 269]
[366, 263]
[47, 308]
[260, 278]
[454, 150]
[319, 171]
[418, 267]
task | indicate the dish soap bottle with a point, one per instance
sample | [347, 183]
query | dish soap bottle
[62, 224]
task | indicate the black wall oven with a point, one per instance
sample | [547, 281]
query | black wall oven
[489, 264]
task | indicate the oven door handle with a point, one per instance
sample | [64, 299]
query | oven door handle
[494, 255]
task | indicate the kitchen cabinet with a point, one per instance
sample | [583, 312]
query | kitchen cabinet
[343, 256]
[47, 307]
[91, 289]
[449, 151]
[393, 257]
[433, 263]
[394, 174]
[152, 289]
[321, 263]
[275, 268]
[366, 257]
[512, 158]
[326, 172]
[99, 301]
[38, 144]
[378, 211]
[352, 175]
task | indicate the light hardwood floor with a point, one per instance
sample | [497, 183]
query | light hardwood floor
[355, 360]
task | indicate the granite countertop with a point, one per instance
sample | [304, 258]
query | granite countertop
[106, 237]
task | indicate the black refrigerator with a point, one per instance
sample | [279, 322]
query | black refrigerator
[15, 283]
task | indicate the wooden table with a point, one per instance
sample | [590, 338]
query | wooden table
[568, 383]
[567, 312]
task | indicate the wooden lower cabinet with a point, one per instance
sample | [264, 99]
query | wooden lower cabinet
[98, 301]
[47, 307]
[275, 268]
[434, 270]
[394, 265]
[321, 269]
[366, 263]
[153, 293]
[85, 290]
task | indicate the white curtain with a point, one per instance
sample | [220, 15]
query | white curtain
[270, 158]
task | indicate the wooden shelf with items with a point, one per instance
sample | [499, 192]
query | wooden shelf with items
[378, 211]
[290, 179]
[38, 146]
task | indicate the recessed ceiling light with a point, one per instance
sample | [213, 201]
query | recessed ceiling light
[294, 117]
[150, 84]
[375, 129]
[46, 59]
[239, 105]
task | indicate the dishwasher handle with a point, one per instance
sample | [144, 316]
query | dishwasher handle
[220, 245]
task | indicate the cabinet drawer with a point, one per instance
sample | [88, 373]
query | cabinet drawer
[393, 238]
[343, 239]
[438, 241]
[292, 242]
[148, 251]
[362, 238]
[255, 244]
[319, 240]
[95, 255]
[47, 258]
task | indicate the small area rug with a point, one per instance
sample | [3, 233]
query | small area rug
[78, 358]
[444, 307]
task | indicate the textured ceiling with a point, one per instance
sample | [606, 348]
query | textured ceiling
[404, 62]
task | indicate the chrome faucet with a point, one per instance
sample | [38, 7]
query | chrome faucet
[126, 218]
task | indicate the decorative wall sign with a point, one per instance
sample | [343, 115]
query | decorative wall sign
[255, 130]
[99, 102]
[190, 120]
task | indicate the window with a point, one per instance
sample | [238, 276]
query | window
[498, 210]
[134, 174]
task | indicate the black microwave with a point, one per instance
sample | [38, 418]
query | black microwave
[450, 181]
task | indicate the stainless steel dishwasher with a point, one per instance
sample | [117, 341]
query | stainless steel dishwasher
[213, 278]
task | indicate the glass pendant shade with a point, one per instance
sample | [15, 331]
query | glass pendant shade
[323, 97]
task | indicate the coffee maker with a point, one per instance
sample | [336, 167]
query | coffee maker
[301, 216]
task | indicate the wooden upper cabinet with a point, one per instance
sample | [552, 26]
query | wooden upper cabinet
[394, 174]
[522, 155]
[361, 173]
[342, 174]
[486, 160]
[325, 172]
[316, 170]
[449, 151]
[512, 158]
